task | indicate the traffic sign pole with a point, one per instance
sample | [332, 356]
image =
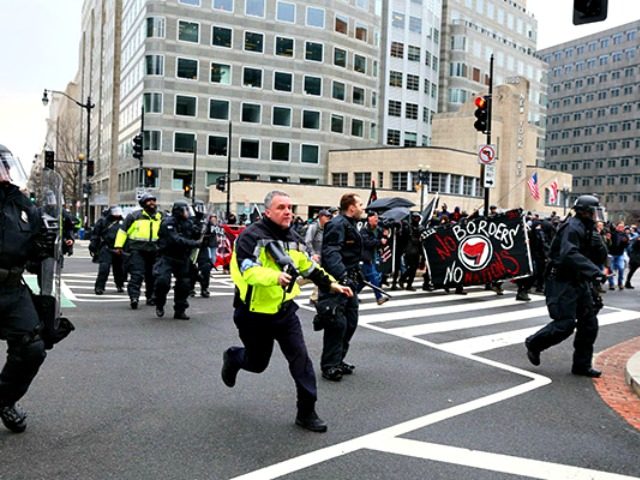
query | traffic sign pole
[483, 168]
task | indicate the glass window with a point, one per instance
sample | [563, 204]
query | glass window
[251, 112]
[154, 65]
[357, 127]
[415, 24]
[253, 42]
[249, 148]
[393, 137]
[281, 116]
[183, 142]
[151, 140]
[315, 17]
[186, 105]
[362, 179]
[187, 69]
[155, 27]
[395, 108]
[252, 77]
[254, 8]
[221, 37]
[313, 85]
[309, 153]
[217, 146]
[397, 20]
[358, 95]
[413, 53]
[337, 123]
[342, 24]
[339, 57]
[359, 63]
[188, 31]
[280, 151]
[361, 32]
[284, 46]
[411, 111]
[395, 79]
[313, 51]
[338, 91]
[218, 109]
[283, 81]
[152, 103]
[311, 119]
[220, 73]
[286, 12]
[224, 5]
[413, 82]
[397, 50]
[193, 3]
[339, 179]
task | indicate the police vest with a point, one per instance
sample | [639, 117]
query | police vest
[141, 230]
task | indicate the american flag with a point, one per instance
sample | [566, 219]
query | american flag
[533, 186]
[553, 192]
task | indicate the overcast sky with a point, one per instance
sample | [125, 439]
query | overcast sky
[39, 42]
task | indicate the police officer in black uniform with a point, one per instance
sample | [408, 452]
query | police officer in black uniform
[22, 238]
[175, 245]
[101, 246]
[341, 255]
[570, 294]
[203, 231]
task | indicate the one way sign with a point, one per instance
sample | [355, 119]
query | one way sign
[489, 176]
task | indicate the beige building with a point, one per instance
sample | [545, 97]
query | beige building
[451, 164]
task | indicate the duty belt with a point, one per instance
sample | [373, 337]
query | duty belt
[10, 277]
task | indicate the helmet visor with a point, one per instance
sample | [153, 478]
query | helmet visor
[599, 214]
[115, 211]
[11, 170]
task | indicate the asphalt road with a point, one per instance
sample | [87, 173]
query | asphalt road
[442, 390]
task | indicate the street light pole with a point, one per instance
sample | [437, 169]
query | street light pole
[87, 106]
[565, 197]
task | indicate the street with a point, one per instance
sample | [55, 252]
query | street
[442, 390]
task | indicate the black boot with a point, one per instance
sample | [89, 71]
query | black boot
[134, 304]
[204, 293]
[586, 372]
[532, 355]
[523, 296]
[14, 418]
[228, 372]
[346, 368]
[311, 421]
[159, 311]
[181, 316]
[334, 374]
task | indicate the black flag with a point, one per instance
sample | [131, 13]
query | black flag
[427, 213]
[373, 196]
[255, 214]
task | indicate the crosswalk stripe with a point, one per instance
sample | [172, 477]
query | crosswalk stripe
[504, 339]
[422, 300]
[482, 321]
[463, 306]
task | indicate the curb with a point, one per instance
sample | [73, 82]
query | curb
[632, 373]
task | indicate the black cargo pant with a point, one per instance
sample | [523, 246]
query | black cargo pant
[19, 326]
[571, 307]
[140, 267]
[107, 259]
[339, 331]
[162, 271]
[258, 333]
[202, 271]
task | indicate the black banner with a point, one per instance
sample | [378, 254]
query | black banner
[479, 251]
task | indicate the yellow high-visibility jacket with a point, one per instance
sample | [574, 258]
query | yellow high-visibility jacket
[140, 231]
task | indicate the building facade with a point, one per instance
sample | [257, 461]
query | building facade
[593, 126]
[409, 52]
[472, 31]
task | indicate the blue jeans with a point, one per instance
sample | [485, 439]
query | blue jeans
[617, 263]
[371, 275]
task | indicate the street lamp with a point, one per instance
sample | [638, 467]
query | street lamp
[423, 179]
[565, 197]
[87, 106]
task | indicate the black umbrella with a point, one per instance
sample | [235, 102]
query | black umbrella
[388, 203]
[396, 214]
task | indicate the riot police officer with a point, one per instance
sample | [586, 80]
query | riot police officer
[101, 246]
[175, 245]
[140, 232]
[569, 289]
[21, 239]
[203, 231]
[341, 255]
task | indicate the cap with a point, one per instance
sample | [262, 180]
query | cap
[333, 209]
[492, 207]
[324, 212]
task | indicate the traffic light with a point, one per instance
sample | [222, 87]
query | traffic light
[482, 114]
[221, 183]
[589, 11]
[90, 167]
[87, 188]
[137, 146]
[49, 159]
[149, 177]
[32, 197]
[187, 190]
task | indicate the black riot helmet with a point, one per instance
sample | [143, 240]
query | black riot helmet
[145, 198]
[115, 211]
[590, 205]
[199, 209]
[180, 208]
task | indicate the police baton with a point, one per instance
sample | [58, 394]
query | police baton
[376, 289]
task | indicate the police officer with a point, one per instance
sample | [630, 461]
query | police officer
[22, 239]
[569, 289]
[101, 246]
[266, 257]
[341, 255]
[203, 231]
[175, 245]
[140, 232]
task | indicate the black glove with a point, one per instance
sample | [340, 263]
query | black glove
[45, 243]
[347, 281]
[600, 278]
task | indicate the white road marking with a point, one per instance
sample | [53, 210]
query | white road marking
[494, 462]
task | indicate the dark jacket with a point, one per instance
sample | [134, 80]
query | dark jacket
[104, 233]
[341, 246]
[20, 227]
[570, 250]
[175, 238]
[370, 243]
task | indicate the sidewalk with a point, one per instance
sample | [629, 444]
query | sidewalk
[620, 365]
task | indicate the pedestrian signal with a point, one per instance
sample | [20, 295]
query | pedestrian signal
[149, 177]
[90, 167]
[187, 190]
